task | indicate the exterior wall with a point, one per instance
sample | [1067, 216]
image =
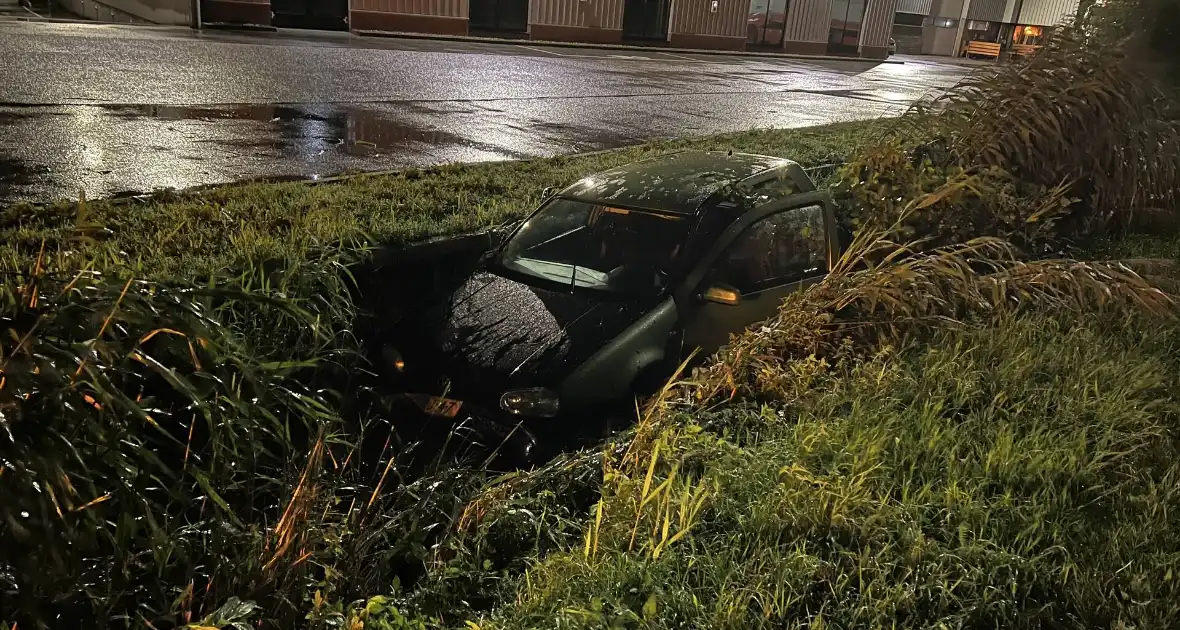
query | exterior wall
[806, 30]
[875, 29]
[1009, 11]
[942, 40]
[425, 16]
[695, 25]
[947, 8]
[808, 23]
[987, 10]
[599, 21]
[921, 7]
[586, 14]
[132, 11]
[1046, 12]
[939, 41]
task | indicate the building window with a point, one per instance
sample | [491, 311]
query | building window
[1034, 35]
[844, 32]
[765, 23]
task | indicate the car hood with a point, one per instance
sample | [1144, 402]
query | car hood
[494, 333]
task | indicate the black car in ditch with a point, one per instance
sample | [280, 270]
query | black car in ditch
[605, 289]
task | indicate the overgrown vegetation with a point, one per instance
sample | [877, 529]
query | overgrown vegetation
[188, 431]
[1083, 138]
[931, 483]
[227, 229]
[140, 436]
[910, 442]
[958, 427]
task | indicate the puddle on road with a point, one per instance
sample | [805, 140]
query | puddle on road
[367, 132]
[57, 151]
[585, 138]
[107, 149]
[356, 131]
[16, 174]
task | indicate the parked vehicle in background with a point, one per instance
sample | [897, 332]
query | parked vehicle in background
[605, 289]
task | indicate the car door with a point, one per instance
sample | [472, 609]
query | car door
[756, 263]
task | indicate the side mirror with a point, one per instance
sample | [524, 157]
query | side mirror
[501, 232]
[722, 294]
[548, 192]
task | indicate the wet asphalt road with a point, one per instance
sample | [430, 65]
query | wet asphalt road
[109, 109]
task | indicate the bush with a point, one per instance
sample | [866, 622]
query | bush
[1082, 138]
[1151, 25]
[157, 468]
[140, 438]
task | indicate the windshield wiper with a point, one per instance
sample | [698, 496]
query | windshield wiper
[562, 235]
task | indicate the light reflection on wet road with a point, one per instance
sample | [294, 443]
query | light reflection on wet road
[106, 109]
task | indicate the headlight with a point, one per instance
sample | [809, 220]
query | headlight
[537, 402]
[393, 358]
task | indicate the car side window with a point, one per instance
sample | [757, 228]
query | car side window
[772, 189]
[780, 249]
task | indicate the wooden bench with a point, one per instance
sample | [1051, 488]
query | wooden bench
[983, 49]
[1025, 50]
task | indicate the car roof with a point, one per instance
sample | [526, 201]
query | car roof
[677, 183]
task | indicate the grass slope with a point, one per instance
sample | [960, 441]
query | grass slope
[198, 234]
[1021, 473]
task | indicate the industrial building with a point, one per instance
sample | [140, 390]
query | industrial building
[945, 27]
[854, 28]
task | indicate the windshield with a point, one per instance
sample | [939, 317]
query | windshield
[580, 244]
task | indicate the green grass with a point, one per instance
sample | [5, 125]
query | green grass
[1021, 473]
[228, 228]
[137, 416]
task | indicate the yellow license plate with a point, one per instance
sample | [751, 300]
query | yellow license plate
[437, 405]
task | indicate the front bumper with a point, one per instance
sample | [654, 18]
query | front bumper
[491, 430]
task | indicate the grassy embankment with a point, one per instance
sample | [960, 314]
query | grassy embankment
[1018, 475]
[233, 227]
[179, 332]
[1014, 471]
[960, 436]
